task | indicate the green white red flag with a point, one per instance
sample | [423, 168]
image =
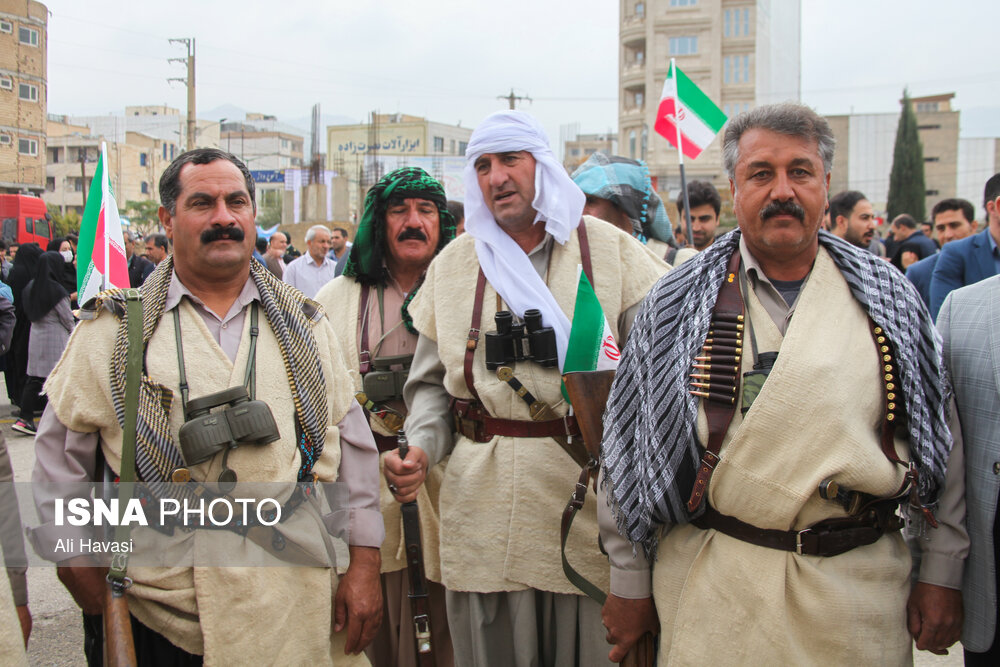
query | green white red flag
[592, 346]
[687, 115]
[100, 259]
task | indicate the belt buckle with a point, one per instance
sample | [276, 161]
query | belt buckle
[798, 539]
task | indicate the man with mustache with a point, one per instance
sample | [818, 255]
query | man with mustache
[768, 534]
[503, 493]
[314, 269]
[405, 223]
[225, 322]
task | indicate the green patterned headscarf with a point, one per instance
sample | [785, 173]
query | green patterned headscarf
[366, 261]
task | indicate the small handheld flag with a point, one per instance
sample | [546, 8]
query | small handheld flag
[687, 116]
[100, 261]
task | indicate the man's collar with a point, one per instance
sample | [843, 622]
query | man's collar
[177, 290]
[310, 260]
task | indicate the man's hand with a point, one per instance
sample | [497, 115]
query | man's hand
[358, 604]
[85, 581]
[934, 617]
[405, 475]
[24, 616]
[627, 621]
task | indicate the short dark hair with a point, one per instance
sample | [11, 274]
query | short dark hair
[992, 190]
[794, 120]
[342, 231]
[170, 181]
[261, 244]
[457, 210]
[843, 203]
[905, 220]
[699, 194]
[160, 240]
[954, 204]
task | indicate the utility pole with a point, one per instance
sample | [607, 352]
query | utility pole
[189, 81]
[83, 174]
[512, 98]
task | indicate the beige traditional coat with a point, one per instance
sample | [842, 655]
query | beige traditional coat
[728, 602]
[501, 501]
[342, 300]
[278, 615]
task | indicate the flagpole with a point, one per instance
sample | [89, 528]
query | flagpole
[106, 274]
[680, 152]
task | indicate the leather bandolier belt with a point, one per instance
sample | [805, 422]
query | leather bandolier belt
[871, 517]
[471, 419]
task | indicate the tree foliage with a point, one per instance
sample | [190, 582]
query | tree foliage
[906, 181]
[142, 215]
[64, 224]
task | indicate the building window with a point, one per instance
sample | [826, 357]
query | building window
[451, 144]
[28, 92]
[439, 144]
[50, 184]
[640, 9]
[27, 36]
[645, 142]
[172, 147]
[727, 76]
[631, 144]
[746, 69]
[144, 188]
[6, 83]
[638, 99]
[27, 147]
[933, 193]
[6, 27]
[462, 147]
[683, 3]
[928, 127]
[164, 151]
[5, 140]
[932, 159]
[746, 22]
[927, 107]
[142, 159]
[727, 21]
[683, 46]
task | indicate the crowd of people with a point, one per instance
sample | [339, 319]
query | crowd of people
[845, 511]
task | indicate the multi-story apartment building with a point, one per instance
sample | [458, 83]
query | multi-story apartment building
[741, 53]
[23, 95]
[576, 151]
[865, 143]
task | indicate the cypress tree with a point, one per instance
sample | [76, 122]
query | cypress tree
[906, 181]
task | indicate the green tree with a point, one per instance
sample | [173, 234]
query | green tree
[268, 208]
[142, 215]
[906, 181]
[64, 224]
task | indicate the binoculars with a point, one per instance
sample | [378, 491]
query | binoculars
[386, 379]
[242, 422]
[518, 342]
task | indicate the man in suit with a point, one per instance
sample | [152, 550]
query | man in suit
[973, 259]
[954, 219]
[138, 266]
[969, 323]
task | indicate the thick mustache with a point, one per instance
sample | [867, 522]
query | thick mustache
[783, 208]
[222, 233]
[411, 233]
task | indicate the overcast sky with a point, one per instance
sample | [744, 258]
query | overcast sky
[449, 61]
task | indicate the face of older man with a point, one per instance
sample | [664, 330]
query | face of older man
[507, 181]
[606, 210]
[779, 195]
[319, 245]
[412, 228]
[213, 226]
[276, 246]
[155, 253]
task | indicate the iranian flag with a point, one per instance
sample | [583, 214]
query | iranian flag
[591, 346]
[687, 115]
[100, 259]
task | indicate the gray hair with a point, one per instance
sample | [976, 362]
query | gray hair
[311, 232]
[794, 120]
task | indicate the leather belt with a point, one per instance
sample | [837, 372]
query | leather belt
[826, 538]
[385, 443]
[473, 422]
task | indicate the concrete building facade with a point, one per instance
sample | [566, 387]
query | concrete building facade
[865, 144]
[741, 53]
[576, 151]
[23, 95]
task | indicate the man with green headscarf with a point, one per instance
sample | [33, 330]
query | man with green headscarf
[405, 223]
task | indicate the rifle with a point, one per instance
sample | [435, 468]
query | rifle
[419, 603]
[588, 392]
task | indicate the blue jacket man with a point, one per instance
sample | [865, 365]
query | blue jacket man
[963, 263]
[953, 219]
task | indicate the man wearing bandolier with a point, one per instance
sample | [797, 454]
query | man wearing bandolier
[405, 223]
[779, 396]
[484, 365]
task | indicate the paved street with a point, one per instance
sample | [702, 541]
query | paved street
[57, 636]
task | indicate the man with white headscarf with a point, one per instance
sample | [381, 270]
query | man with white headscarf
[509, 602]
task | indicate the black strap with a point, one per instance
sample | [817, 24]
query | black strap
[365, 355]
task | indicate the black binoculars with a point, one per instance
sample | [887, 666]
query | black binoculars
[517, 342]
[242, 422]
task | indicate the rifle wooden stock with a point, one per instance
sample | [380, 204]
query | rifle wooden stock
[119, 647]
[588, 392]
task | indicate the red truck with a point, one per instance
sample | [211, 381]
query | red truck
[25, 220]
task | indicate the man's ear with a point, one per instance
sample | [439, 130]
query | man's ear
[167, 221]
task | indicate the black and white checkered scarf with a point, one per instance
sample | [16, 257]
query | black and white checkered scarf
[650, 452]
[290, 316]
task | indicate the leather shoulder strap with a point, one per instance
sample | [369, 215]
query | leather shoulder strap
[473, 340]
[364, 354]
[581, 233]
